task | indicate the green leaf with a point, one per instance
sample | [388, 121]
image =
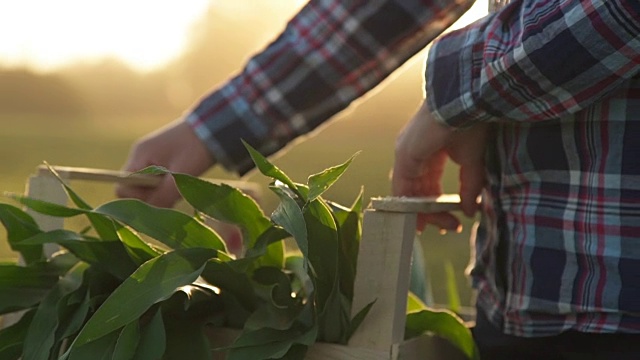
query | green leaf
[12, 337]
[263, 343]
[109, 256]
[61, 262]
[127, 343]
[103, 226]
[271, 316]
[272, 257]
[184, 325]
[268, 169]
[47, 208]
[72, 311]
[323, 248]
[152, 339]
[442, 323]
[272, 344]
[101, 349]
[289, 215]
[322, 181]
[72, 194]
[452, 288]
[54, 236]
[333, 319]
[224, 276]
[357, 320]
[414, 303]
[349, 221]
[41, 337]
[230, 205]
[19, 226]
[268, 250]
[22, 287]
[296, 352]
[139, 250]
[278, 284]
[224, 203]
[171, 227]
[294, 263]
[153, 282]
[219, 201]
[186, 341]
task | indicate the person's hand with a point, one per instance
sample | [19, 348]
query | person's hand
[177, 148]
[422, 149]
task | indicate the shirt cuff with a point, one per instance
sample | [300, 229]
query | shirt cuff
[221, 121]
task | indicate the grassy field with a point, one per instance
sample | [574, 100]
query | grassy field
[26, 142]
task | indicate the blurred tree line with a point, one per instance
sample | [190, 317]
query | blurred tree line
[220, 43]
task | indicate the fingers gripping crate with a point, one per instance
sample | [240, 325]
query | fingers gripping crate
[382, 275]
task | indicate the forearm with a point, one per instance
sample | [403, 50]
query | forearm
[330, 54]
[534, 60]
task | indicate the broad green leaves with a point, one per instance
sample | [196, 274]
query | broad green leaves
[444, 323]
[318, 232]
[144, 282]
[320, 182]
[22, 287]
[154, 281]
[19, 226]
[173, 228]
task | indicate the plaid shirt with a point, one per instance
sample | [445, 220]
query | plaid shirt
[559, 244]
[331, 53]
[555, 249]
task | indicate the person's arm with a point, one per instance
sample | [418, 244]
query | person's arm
[534, 60]
[531, 61]
[331, 53]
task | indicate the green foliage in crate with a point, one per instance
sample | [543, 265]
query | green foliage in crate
[111, 291]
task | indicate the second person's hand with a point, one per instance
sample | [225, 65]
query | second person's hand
[422, 149]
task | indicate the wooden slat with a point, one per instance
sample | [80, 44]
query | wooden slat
[382, 275]
[426, 347]
[447, 202]
[222, 337]
[91, 174]
[45, 188]
[325, 351]
[125, 177]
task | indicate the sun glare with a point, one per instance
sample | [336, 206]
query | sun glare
[478, 10]
[145, 34]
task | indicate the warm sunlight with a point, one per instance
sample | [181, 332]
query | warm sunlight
[478, 10]
[145, 34]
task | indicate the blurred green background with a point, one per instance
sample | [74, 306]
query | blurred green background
[88, 114]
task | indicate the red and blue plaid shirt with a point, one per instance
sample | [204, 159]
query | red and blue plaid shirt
[559, 243]
[558, 246]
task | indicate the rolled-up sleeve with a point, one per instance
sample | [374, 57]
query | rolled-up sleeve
[533, 60]
[331, 53]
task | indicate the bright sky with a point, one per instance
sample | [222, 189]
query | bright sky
[145, 34]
